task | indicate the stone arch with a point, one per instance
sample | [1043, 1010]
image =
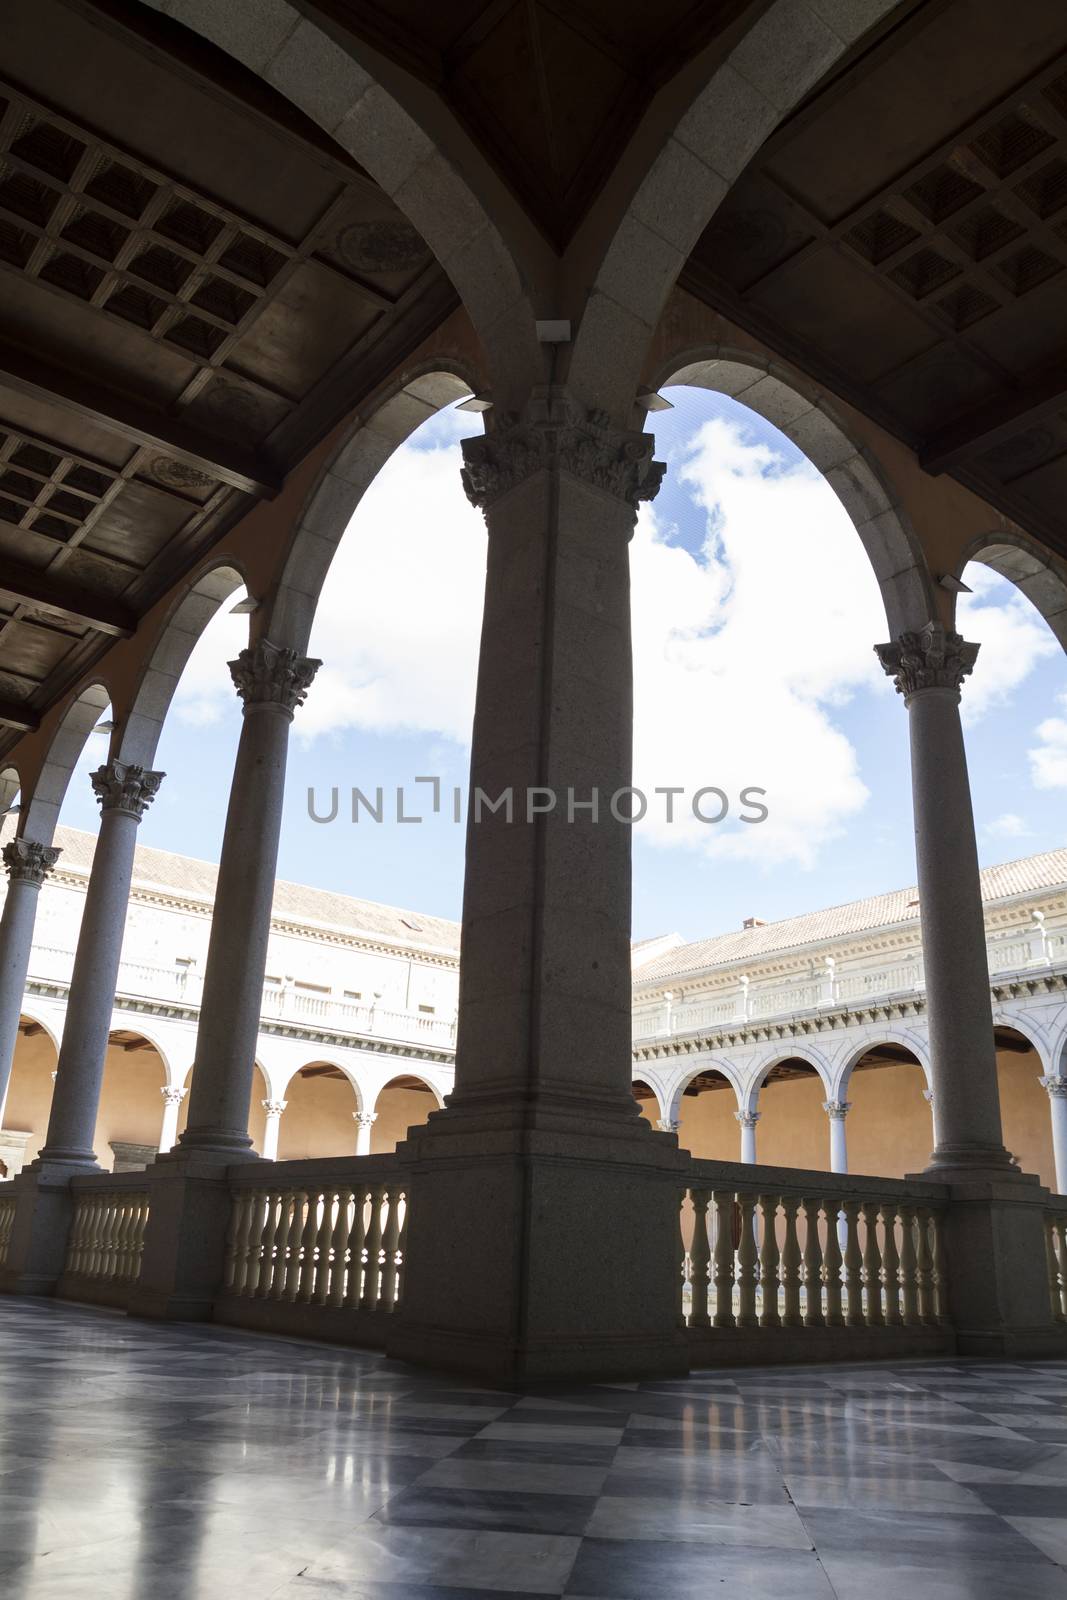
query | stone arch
[436, 192]
[142, 723]
[852, 1053]
[801, 410]
[122, 1023]
[289, 610]
[322, 1100]
[656, 1094]
[730, 107]
[39, 1018]
[41, 806]
[1038, 1040]
[749, 1098]
[678, 1086]
[1035, 572]
[336, 1065]
[10, 787]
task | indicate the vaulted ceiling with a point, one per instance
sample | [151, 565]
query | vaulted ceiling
[903, 237]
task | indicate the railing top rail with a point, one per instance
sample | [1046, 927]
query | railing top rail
[801, 1182]
[129, 1182]
[316, 1170]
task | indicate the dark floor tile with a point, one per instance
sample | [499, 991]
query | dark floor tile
[501, 1510]
[640, 1571]
[575, 1455]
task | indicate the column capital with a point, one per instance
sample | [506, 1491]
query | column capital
[837, 1110]
[665, 1125]
[932, 658]
[267, 675]
[1056, 1086]
[274, 1108]
[928, 1096]
[29, 862]
[124, 786]
[173, 1094]
[366, 1119]
[557, 431]
[748, 1119]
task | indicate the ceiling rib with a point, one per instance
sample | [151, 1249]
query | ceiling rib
[41, 592]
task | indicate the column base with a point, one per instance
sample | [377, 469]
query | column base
[189, 1209]
[998, 1294]
[537, 1255]
[44, 1210]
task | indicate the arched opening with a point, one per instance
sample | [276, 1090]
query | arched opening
[29, 1095]
[130, 1113]
[404, 1102]
[707, 1116]
[888, 1127]
[1024, 1104]
[647, 1101]
[257, 1114]
[792, 1125]
[321, 1101]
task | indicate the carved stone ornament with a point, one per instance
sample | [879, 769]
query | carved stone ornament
[931, 659]
[27, 862]
[837, 1110]
[557, 432]
[266, 675]
[122, 786]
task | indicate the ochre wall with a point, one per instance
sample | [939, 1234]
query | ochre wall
[398, 1110]
[317, 1120]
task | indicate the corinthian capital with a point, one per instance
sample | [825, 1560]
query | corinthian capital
[557, 432]
[27, 862]
[933, 658]
[266, 675]
[122, 786]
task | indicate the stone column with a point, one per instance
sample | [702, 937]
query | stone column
[42, 1220]
[272, 683]
[173, 1095]
[125, 792]
[748, 1120]
[928, 669]
[541, 1141]
[272, 1127]
[28, 864]
[997, 1289]
[837, 1111]
[1057, 1101]
[189, 1203]
[364, 1121]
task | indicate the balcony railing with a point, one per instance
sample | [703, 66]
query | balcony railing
[808, 1265]
[106, 1238]
[143, 981]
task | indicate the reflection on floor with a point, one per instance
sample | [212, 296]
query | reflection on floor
[147, 1462]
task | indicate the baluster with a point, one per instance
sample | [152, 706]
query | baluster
[747, 1264]
[339, 1247]
[142, 1227]
[246, 1253]
[295, 1253]
[872, 1264]
[940, 1268]
[813, 1312]
[769, 1314]
[1061, 1256]
[389, 1247]
[1052, 1270]
[127, 1214]
[791, 1317]
[356, 1276]
[724, 1257]
[93, 1235]
[322, 1247]
[909, 1266]
[306, 1278]
[76, 1251]
[368, 1300]
[402, 1250]
[107, 1236]
[240, 1211]
[264, 1266]
[701, 1258]
[286, 1227]
[924, 1268]
[832, 1268]
[854, 1317]
[684, 1263]
[891, 1266]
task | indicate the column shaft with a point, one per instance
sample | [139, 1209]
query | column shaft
[837, 1111]
[27, 866]
[124, 793]
[748, 1120]
[168, 1132]
[1057, 1105]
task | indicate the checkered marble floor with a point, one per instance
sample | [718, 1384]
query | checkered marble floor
[148, 1462]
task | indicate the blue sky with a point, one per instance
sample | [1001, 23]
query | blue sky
[755, 616]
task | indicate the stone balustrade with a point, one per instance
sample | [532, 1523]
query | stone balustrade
[781, 1264]
[106, 1238]
[317, 1248]
[7, 1221]
[1055, 1255]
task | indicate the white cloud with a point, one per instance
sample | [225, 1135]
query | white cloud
[1048, 760]
[1008, 826]
[205, 691]
[1012, 634]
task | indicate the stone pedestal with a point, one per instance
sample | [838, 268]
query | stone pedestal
[37, 1248]
[131, 1157]
[13, 1142]
[185, 1239]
